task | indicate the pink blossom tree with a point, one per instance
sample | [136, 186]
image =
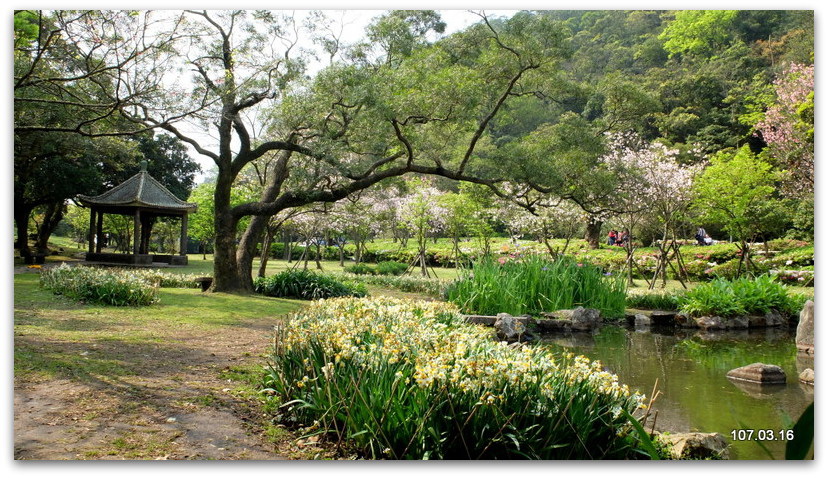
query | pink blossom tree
[788, 128]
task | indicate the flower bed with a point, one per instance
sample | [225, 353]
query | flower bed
[423, 285]
[411, 380]
[100, 286]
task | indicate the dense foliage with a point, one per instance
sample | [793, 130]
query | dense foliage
[405, 283]
[730, 298]
[411, 380]
[305, 284]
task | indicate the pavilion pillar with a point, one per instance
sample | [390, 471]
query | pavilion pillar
[136, 232]
[99, 233]
[91, 230]
[183, 245]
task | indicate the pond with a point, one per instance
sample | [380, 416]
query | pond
[691, 368]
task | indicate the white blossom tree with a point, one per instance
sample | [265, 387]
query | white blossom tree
[424, 217]
[654, 183]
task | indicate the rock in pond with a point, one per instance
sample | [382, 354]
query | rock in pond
[696, 445]
[710, 323]
[578, 318]
[759, 373]
[509, 328]
[642, 321]
[805, 329]
[807, 376]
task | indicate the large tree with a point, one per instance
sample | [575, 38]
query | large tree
[426, 110]
[737, 190]
[73, 71]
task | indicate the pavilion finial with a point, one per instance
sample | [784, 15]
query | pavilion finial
[143, 165]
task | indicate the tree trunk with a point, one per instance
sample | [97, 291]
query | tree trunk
[51, 219]
[226, 275]
[257, 226]
[247, 246]
[265, 255]
[21, 221]
[593, 232]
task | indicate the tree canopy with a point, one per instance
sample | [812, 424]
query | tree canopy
[524, 105]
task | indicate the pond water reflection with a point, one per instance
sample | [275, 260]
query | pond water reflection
[690, 367]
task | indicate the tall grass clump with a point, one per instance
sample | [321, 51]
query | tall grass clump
[402, 379]
[655, 300]
[99, 286]
[535, 284]
[305, 284]
[730, 298]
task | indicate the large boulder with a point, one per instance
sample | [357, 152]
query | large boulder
[509, 328]
[758, 373]
[696, 445]
[585, 319]
[663, 318]
[550, 325]
[578, 319]
[642, 321]
[807, 376]
[805, 329]
[736, 323]
[710, 322]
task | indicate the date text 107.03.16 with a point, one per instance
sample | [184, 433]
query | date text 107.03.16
[761, 434]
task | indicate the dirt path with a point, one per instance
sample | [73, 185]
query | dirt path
[183, 399]
[177, 408]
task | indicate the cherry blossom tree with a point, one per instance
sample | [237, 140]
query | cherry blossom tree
[654, 183]
[424, 216]
[549, 218]
[788, 128]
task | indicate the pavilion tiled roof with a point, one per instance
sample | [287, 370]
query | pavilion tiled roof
[141, 190]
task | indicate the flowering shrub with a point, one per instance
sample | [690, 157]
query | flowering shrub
[717, 253]
[160, 278]
[785, 244]
[794, 258]
[534, 284]
[100, 286]
[729, 269]
[411, 380]
[424, 285]
[304, 284]
[801, 278]
[697, 269]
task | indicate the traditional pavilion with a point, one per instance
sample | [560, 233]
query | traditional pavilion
[144, 199]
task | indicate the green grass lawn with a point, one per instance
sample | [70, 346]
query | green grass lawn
[39, 314]
[197, 264]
